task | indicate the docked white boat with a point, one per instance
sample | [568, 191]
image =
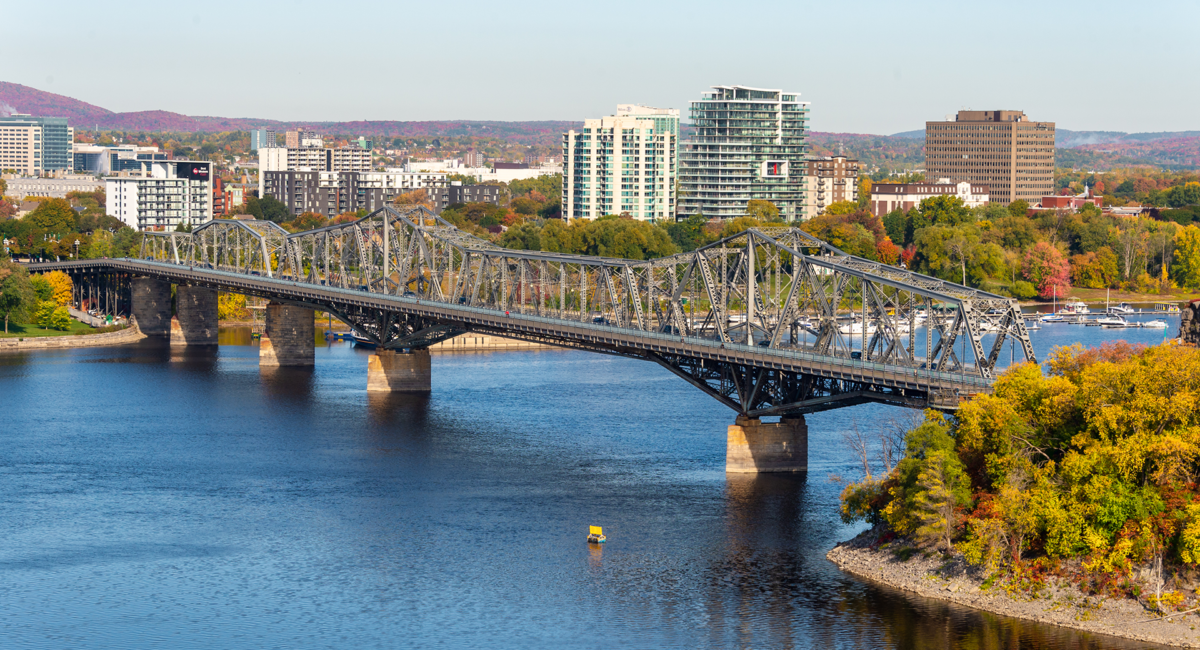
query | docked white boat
[1113, 322]
[1052, 318]
[1074, 308]
[855, 328]
[1155, 324]
[1123, 308]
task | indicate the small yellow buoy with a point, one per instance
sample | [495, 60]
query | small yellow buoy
[596, 535]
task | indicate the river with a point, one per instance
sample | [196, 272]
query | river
[155, 498]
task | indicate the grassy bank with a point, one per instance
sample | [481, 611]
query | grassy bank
[27, 331]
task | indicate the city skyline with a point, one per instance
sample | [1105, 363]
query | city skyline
[891, 71]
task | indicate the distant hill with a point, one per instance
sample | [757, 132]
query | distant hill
[1081, 149]
[15, 98]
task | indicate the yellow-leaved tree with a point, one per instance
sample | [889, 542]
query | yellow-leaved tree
[61, 284]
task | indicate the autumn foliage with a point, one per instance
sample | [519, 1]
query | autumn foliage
[1090, 469]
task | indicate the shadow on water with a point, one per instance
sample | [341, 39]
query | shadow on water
[908, 621]
[769, 573]
[293, 385]
[194, 358]
[395, 409]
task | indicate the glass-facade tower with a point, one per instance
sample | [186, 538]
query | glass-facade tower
[746, 144]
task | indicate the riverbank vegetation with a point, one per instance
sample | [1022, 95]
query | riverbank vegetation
[1088, 472]
[36, 305]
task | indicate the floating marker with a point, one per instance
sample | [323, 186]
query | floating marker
[596, 535]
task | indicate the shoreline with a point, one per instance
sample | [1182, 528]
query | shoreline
[1058, 604]
[129, 334]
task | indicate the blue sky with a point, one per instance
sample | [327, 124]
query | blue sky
[867, 67]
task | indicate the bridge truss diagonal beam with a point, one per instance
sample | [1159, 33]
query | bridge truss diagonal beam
[755, 297]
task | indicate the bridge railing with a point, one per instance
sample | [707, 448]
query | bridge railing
[777, 289]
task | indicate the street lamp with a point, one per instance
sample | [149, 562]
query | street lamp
[76, 249]
[6, 243]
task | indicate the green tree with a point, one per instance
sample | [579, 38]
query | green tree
[945, 210]
[267, 208]
[852, 238]
[1019, 208]
[52, 317]
[689, 235]
[53, 216]
[941, 487]
[41, 288]
[526, 236]
[895, 223]
[17, 297]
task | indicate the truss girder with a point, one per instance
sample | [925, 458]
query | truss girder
[771, 287]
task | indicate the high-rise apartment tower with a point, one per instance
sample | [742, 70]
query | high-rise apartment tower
[746, 144]
[1013, 156]
[622, 164]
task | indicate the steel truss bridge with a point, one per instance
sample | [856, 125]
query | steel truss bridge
[770, 321]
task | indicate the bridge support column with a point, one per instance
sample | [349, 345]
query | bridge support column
[288, 339]
[398, 372]
[754, 446]
[196, 323]
[151, 305]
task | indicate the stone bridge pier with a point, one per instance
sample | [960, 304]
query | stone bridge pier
[754, 446]
[288, 339]
[394, 371]
[151, 305]
[195, 323]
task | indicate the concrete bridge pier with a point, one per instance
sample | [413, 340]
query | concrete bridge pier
[288, 339]
[151, 306]
[196, 320]
[392, 371]
[755, 446]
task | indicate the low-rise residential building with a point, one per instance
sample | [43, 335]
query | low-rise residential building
[333, 193]
[622, 164]
[828, 180]
[886, 197]
[19, 188]
[1070, 203]
[35, 146]
[456, 192]
[172, 192]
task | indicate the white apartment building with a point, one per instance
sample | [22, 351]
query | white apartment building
[886, 197]
[173, 192]
[622, 164]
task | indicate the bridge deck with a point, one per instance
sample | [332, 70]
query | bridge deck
[945, 389]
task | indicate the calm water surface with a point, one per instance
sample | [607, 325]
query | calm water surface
[152, 498]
